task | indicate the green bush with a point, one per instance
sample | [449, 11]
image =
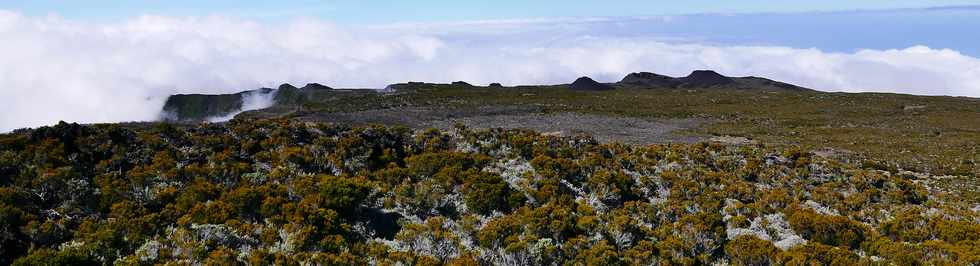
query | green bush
[49, 257]
[827, 229]
[485, 193]
[751, 251]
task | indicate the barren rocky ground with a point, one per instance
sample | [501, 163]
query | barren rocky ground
[604, 128]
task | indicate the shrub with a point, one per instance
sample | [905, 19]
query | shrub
[751, 251]
[485, 193]
[50, 257]
[818, 254]
[827, 229]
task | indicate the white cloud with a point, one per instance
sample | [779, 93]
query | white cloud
[253, 100]
[55, 69]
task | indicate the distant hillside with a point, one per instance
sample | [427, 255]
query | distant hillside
[703, 79]
[199, 107]
[891, 131]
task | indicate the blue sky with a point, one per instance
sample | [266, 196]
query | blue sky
[377, 11]
[829, 25]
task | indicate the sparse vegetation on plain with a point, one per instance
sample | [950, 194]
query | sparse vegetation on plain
[935, 134]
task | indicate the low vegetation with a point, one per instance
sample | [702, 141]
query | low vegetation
[285, 192]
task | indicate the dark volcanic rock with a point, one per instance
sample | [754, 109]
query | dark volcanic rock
[587, 84]
[705, 78]
[316, 86]
[648, 79]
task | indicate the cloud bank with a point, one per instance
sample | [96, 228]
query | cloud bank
[55, 69]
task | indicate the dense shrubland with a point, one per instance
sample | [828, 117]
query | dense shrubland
[288, 193]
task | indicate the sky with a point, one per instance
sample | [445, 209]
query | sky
[388, 11]
[101, 61]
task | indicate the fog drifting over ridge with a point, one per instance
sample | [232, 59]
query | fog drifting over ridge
[56, 69]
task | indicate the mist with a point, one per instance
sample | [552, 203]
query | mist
[78, 71]
[253, 100]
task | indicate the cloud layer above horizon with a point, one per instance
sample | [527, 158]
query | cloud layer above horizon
[56, 69]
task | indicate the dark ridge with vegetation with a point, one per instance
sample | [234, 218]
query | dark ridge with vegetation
[703, 79]
[289, 94]
[647, 79]
[197, 107]
[587, 84]
[461, 84]
[316, 86]
[286, 192]
[200, 107]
